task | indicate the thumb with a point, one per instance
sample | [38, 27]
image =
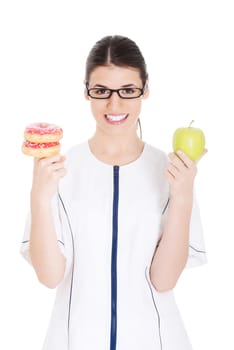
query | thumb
[202, 155]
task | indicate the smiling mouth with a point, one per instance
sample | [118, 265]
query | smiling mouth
[116, 118]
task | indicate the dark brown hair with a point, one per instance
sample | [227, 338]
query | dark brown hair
[119, 51]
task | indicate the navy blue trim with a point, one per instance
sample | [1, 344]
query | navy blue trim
[29, 241]
[156, 309]
[196, 250]
[72, 272]
[61, 242]
[113, 330]
[165, 207]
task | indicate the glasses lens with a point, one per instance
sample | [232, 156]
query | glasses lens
[130, 92]
[99, 93]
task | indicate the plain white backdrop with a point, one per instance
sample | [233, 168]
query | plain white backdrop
[188, 47]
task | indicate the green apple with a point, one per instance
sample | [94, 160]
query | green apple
[189, 140]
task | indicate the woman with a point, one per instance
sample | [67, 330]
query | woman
[114, 224]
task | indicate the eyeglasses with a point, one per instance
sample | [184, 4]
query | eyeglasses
[125, 93]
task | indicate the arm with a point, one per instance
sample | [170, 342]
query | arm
[46, 257]
[172, 252]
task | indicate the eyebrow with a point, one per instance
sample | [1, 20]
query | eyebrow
[106, 87]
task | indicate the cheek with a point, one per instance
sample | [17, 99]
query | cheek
[136, 108]
[96, 108]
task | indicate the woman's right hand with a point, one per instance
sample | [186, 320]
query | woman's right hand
[46, 175]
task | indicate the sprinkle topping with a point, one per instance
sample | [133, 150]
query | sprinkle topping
[40, 145]
[43, 128]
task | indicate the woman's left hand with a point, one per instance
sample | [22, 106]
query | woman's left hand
[180, 173]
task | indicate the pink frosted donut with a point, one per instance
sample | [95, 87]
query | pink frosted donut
[40, 150]
[43, 132]
[42, 140]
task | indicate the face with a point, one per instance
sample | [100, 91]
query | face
[116, 115]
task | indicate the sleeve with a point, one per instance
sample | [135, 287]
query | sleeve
[57, 212]
[197, 252]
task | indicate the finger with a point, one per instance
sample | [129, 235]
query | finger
[61, 172]
[177, 162]
[169, 176]
[185, 159]
[56, 158]
[172, 170]
[171, 155]
[51, 160]
[172, 158]
[36, 160]
[56, 166]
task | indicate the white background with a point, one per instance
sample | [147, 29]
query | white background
[188, 46]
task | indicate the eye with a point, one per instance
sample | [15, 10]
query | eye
[129, 91]
[100, 92]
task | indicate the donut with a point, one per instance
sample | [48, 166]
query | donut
[40, 150]
[42, 140]
[43, 132]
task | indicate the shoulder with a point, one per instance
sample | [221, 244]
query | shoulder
[75, 163]
[76, 154]
[156, 155]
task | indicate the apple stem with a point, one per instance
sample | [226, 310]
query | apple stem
[191, 123]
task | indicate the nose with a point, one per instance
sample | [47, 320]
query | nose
[114, 100]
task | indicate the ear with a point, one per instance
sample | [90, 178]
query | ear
[146, 92]
[86, 95]
[85, 91]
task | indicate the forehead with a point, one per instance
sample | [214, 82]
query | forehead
[112, 76]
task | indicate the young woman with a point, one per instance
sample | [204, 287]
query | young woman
[114, 224]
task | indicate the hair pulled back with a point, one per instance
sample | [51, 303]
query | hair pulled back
[119, 51]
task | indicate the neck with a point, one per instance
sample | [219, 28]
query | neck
[115, 144]
[116, 149]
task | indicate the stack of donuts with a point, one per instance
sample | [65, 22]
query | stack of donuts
[42, 140]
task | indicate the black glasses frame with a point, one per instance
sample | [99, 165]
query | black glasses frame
[141, 92]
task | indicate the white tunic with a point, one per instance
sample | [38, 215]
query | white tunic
[108, 221]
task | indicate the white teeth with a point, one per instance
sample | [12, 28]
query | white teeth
[116, 118]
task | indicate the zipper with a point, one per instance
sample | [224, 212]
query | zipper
[113, 329]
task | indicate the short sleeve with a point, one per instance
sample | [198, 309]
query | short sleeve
[197, 252]
[58, 224]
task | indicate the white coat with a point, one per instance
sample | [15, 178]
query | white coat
[108, 221]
